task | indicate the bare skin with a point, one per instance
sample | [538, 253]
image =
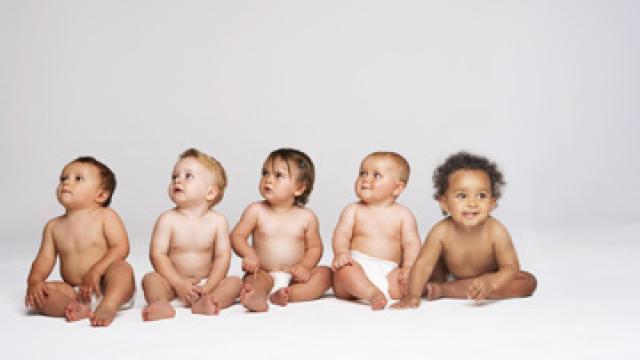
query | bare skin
[91, 242]
[470, 245]
[285, 238]
[190, 243]
[376, 226]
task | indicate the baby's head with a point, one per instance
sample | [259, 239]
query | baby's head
[383, 175]
[464, 172]
[84, 182]
[285, 173]
[196, 177]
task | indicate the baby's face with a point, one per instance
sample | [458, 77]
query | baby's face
[468, 198]
[80, 186]
[192, 184]
[378, 180]
[278, 184]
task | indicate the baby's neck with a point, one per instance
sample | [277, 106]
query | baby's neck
[193, 211]
[80, 211]
[380, 204]
[284, 207]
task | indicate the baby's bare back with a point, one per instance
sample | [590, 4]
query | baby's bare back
[279, 238]
[80, 242]
[191, 248]
[469, 254]
[378, 232]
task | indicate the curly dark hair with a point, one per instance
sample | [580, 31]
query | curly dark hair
[304, 165]
[466, 161]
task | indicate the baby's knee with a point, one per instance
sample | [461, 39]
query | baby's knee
[121, 267]
[324, 273]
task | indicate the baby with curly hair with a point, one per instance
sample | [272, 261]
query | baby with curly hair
[469, 254]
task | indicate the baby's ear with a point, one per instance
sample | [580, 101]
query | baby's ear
[300, 188]
[443, 205]
[399, 188]
[213, 192]
[103, 195]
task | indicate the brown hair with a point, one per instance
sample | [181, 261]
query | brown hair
[107, 177]
[213, 165]
[304, 165]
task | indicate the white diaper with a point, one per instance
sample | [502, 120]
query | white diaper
[281, 279]
[95, 300]
[376, 269]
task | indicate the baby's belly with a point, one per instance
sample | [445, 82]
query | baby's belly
[281, 257]
[387, 250]
[74, 267]
[192, 265]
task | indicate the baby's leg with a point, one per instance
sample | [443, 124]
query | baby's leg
[119, 286]
[255, 290]
[395, 287]
[221, 297]
[158, 293]
[318, 283]
[351, 281]
[524, 284]
[60, 295]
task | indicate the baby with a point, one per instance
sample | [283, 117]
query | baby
[190, 247]
[286, 248]
[92, 243]
[468, 244]
[376, 240]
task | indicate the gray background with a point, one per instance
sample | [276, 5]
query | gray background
[548, 89]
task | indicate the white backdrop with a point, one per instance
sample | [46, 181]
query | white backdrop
[548, 89]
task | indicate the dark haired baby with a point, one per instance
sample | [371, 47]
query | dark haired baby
[469, 244]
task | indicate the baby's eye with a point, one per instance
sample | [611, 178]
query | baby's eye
[461, 196]
[63, 178]
[188, 176]
[265, 172]
[279, 175]
[79, 178]
[174, 176]
[363, 173]
[482, 195]
[377, 175]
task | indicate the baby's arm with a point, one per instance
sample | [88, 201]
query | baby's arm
[313, 250]
[222, 257]
[40, 270]
[117, 249]
[342, 237]
[508, 266]
[159, 253]
[244, 228]
[422, 269]
[410, 245]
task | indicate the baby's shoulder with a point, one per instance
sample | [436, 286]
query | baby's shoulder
[216, 217]
[496, 229]
[440, 229]
[402, 210]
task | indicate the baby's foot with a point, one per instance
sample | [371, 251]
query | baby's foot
[378, 301]
[434, 291]
[253, 300]
[103, 316]
[158, 311]
[76, 311]
[280, 297]
[206, 305]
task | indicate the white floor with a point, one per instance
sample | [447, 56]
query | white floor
[584, 308]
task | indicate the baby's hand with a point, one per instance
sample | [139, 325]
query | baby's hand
[341, 259]
[187, 291]
[300, 273]
[406, 303]
[480, 288]
[90, 285]
[36, 295]
[250, 263]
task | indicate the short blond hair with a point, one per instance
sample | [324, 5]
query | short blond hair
[404, 170]
[214, 166]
